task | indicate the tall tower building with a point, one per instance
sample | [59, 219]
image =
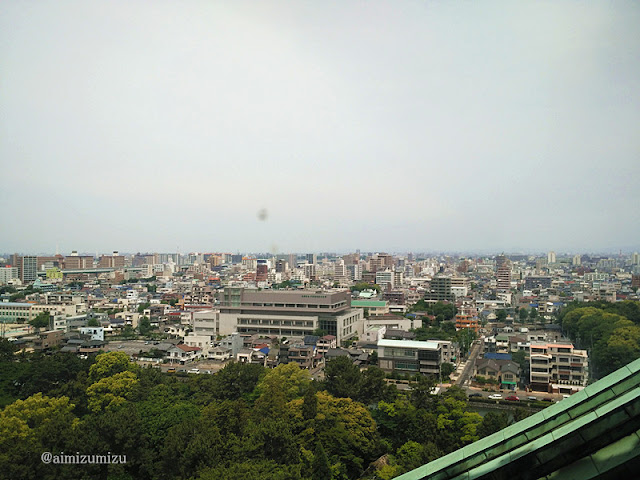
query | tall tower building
[635, 258]
[551, 257]
[312, 258]
[28, 270]
[504, 276]
[340, 271]
[262, 270]
[577, 260]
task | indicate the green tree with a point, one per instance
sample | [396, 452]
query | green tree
[310, 404]
[446, 369]
[36, 424]
[523, 314]
[342, 377]
[234, 381]
[42, 320]
[422, 392]
[7, 349]
[501, 315]
[321, 467]
[288, 378]
[533, 314]
[492, 422]
[93, 322]
[109, 392]
[373, 387]
[110, 363]
[144, 326]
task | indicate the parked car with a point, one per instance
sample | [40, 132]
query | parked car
[512, 398]
[532, 398]
[547, 399]
[194, 370]
[495, 396]
[171, 370]
[475, 395]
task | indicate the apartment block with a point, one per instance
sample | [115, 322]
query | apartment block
[558, 367]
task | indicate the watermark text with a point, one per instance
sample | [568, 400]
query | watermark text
[78, 458]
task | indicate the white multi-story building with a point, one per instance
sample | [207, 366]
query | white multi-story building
[289, 313]
[558, 367]
[7, 274]
[384, 278]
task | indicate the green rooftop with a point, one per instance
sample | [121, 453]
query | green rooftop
[592, 434]
[368, 303]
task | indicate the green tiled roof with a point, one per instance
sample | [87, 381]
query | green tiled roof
[593, 433]
[368, 303]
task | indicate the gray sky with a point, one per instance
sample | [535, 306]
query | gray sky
[444, 125]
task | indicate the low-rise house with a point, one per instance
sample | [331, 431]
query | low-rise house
[303, 355]
[183, 353]
[249, 355]
[325, 343]
[505, 372]
[49, 339]
[219, 353]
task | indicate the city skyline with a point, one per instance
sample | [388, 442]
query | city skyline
[301, 127]
[629, 252]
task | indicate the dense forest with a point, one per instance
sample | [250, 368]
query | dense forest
[610, 332]
[243, 422]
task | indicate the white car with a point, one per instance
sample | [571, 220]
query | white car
[194, 370]
[495, 396]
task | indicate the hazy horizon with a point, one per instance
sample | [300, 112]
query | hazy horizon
[305, 126]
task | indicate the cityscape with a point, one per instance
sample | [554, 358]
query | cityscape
[319, 240]
[507, 335]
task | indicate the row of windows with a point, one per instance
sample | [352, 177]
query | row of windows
[285, 323]
[399, 352]
[274, 331]
[406, 366]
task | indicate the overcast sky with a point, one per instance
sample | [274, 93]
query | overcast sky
[384, 126]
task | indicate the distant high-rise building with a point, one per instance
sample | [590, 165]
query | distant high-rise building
[28, 271]
[504, 276]
[111, 261]
[577, 260]
[551, 257]
[282, 266]
[312, 258]
[310, 271]
[340, 271]
[262, 270]
[500, 261]
[635, 258]
[355, 272]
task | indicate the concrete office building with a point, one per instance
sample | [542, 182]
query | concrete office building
[288, 313]
[440, 289]
[27, 268]
[407, 356]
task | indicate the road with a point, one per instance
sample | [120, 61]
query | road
[469, 365]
